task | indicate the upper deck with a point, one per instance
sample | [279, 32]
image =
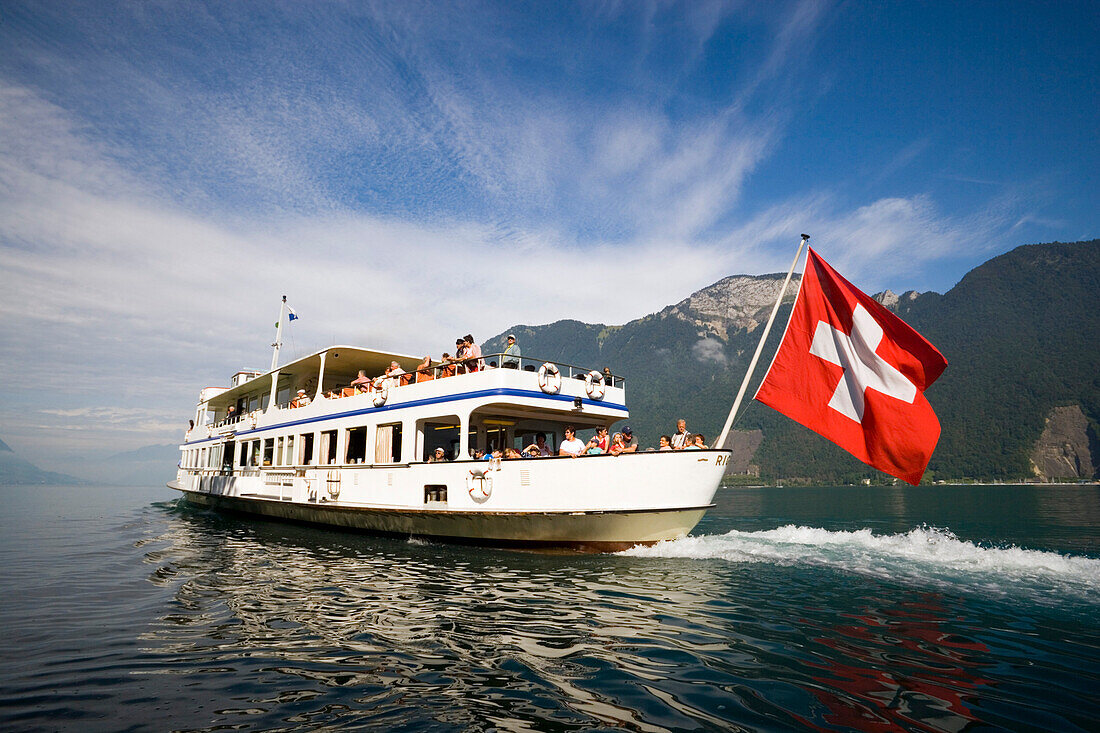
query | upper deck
[516, 389]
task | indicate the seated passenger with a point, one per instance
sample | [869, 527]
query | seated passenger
[617, 445]
[362, 379]
[510, 453]
[301, 400]
[700, 441]
[666, 443]
[539, 447]
[571, 446]
[390, 377]
[438, 456]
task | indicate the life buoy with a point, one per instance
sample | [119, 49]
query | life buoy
[593, 385]
[480, 483]
[549, 378]
[381, 394]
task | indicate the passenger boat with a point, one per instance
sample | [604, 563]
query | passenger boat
[362, 460]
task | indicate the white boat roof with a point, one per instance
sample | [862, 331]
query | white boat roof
[341, 361]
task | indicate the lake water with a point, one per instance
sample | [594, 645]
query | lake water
[821, 608]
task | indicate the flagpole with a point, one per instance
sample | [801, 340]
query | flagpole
[278, 334]
[760, 347]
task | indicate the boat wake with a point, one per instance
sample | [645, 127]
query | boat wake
[923, 555]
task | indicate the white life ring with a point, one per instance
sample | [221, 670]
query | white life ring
[381, 394]
[549, 378]
[481, 484]
[593, 385]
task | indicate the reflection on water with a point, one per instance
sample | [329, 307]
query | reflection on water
[825, 610]
[485, 635]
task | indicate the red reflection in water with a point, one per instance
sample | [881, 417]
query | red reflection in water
[906, 671]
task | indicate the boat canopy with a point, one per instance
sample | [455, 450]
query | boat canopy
[341, 365]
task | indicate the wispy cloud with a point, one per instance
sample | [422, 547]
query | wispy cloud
[403, 176]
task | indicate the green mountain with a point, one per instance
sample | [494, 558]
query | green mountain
[1020, 397]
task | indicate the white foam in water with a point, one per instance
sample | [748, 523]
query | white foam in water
[923, 554]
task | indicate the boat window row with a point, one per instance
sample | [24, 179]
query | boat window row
[379, 444]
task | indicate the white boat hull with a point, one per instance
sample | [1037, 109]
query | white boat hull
[596, 503]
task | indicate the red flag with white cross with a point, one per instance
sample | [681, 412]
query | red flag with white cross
[855, 373]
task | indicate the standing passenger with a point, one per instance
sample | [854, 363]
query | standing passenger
[681, 438]
[512, 353]
[473, 354]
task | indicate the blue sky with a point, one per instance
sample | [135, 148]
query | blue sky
[407, 172]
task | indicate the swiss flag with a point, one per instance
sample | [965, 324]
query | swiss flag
[855, 373]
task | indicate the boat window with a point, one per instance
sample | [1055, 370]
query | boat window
[305, 447]
[357, 445]
[289, 455]
[243, 454]
[254, 454]
[269, 450]
[387, 446]
[327, 454]
[227, 456]
[440, 435]
[203, 460]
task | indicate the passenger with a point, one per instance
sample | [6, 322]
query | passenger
[473, 354]
[391, 377]
[447, 367]
[301, 400]
[617, 445]
[700, 441]
[666, 443]
[571, 446]
[601, 439]
[539, 447]
[512, 353]
[231, 414]
[438, 456]
[629, 444]
[461, 352]
[510, 453]
[682, 438]
[424, 370]
[607, 376]
[362, 379]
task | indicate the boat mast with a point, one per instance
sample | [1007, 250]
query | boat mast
[760, 347]
[278, 334]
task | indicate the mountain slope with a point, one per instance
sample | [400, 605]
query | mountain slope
[1020, 333]
[15, 470]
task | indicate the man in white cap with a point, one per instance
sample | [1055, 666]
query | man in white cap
[302, 400]
[512, 353]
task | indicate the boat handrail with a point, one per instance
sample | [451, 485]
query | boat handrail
[458, 369]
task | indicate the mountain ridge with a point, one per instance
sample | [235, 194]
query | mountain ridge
[687, 360]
